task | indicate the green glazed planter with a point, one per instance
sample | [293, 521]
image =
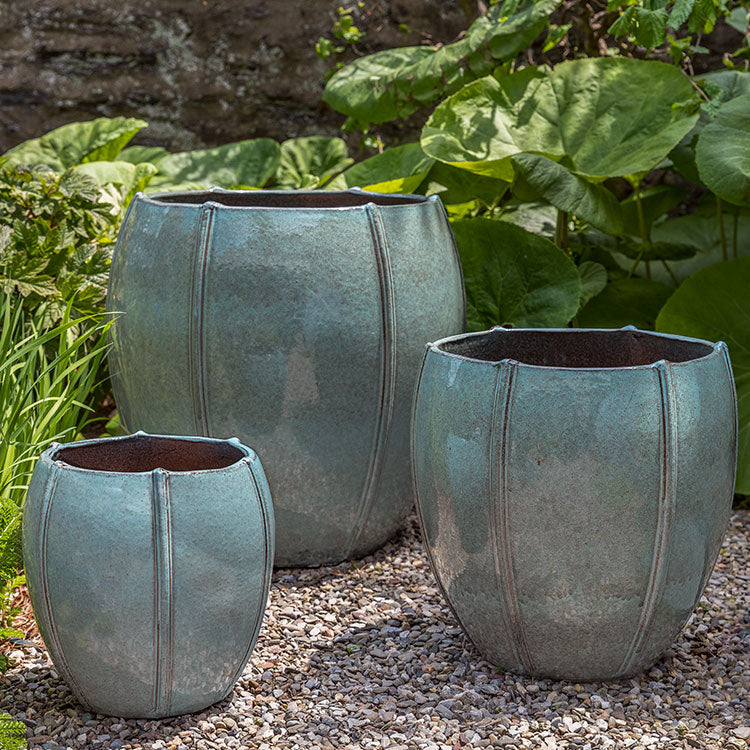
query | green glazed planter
[574, 487]
[148, 560]
[296, 321]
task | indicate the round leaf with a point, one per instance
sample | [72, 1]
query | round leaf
[603, 117]
[514, 277]
[723, 152]
[714, 304]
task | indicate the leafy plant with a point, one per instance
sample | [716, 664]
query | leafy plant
[307, 163]
[397, 170]
[12, 733]
[514, 277]
[46, 377]
[77, 143]
[56, 234]
[395, 83]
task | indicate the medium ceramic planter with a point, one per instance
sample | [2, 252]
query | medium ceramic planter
[574, 487]
[296, 321]
[148, 560]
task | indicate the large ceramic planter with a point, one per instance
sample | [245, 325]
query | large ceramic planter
[296, 321]
[148, 560]
[574, 487]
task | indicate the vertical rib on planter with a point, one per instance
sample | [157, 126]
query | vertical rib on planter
[500, 504]
[387, 372]
[56, 650]
[161, 529]
[665, 507]
[197, 331]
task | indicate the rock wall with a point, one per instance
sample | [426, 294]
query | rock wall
[201, 72]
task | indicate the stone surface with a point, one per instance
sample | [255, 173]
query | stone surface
[202, 72]
[368, 656]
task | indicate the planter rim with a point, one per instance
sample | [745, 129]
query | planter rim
[716, 347]
[50, 458]
[392, 200]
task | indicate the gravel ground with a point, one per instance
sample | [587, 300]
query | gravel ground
[367, 655]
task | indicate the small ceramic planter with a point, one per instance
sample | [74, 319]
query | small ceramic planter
[148, 560]
[574, 487]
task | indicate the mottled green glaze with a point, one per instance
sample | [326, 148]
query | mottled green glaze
[574, 487]
[149, 583]
[296, 321]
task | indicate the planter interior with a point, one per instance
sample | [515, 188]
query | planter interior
[285, 199]
[142, 453]
[573, 348]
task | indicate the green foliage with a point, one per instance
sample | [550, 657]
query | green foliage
[645, 22]
[56, 234]
[307, 163]
[46, 377]
[600, 118]
[397, 170]
[249, 163]
[539, 178]
[12, 733]
[723, 152]
[714, 304]
[395, 83]
[514, 276]
[77, 143]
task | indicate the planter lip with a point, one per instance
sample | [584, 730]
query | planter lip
[392, 200]
[49, 457]
[716, 347]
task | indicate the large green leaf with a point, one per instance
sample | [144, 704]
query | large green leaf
[537, 177]
[400, 169]
[514, 277]
[251, 163]
[455, 185]
[600, 117]
[96, 140]
[395, 83]
[714, 304]
[311, 161]
[723, 152]
[626, 302]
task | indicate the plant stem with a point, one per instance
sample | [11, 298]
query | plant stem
[561, 230]
[641, 216]
[671, 273]
[722, 233]
[645, 238]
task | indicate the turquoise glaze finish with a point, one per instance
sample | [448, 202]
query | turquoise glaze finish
[574, 487]
[148, 560]
[295, 320]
